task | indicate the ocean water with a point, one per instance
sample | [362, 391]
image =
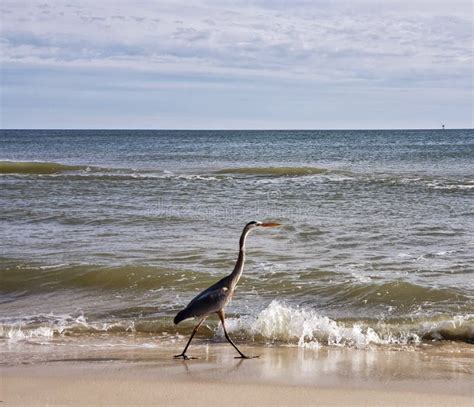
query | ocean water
[110, 233]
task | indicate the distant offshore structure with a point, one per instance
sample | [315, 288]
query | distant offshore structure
[442, 127]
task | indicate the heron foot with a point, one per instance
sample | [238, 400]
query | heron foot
[246, 357]
[184, 356]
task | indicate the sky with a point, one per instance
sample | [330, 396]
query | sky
[321, 64]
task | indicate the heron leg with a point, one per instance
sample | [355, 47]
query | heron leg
[183, 353]
[242, 356]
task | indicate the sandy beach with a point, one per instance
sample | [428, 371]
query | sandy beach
[86, 376]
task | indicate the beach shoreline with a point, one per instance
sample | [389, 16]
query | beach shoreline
[440, 375]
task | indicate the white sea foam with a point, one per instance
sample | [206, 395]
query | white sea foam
[450, 185]
[306, 328]
[278, 323]
[48, 326]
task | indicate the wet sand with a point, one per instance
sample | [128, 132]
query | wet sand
[93, 375]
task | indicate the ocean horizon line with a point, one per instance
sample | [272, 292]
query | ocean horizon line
[233, 129]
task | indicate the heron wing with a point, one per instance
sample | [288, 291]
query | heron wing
[223, 282]
[207, 303]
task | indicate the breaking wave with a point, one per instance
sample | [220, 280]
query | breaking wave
[71, 171]
[270, 174]
[28, 279]
[49, 326]
[34, 167]
[278, 324]
[33, 279]
[281, 323]
[275, 171]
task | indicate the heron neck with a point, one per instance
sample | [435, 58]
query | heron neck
[239, 265]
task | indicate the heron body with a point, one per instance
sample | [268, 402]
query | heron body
[215, 298]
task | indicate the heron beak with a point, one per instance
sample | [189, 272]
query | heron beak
[270, 224]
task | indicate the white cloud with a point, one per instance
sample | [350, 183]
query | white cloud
[324, 40]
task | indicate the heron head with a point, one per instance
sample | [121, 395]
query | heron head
[255, 224]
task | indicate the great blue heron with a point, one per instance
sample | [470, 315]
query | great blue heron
[217, 296]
